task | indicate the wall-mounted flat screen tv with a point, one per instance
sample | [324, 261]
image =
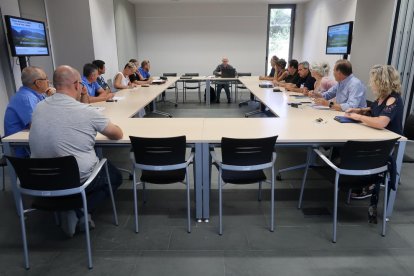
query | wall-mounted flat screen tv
[339, 39]
[26, 37]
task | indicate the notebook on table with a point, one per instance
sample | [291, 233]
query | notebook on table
[343, 119]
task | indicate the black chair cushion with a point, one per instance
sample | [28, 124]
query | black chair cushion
[64, 203]
[163, 177]
[241, 177]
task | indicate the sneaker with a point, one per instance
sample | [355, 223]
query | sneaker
[81, 224]
[69, 220]
[365, 193]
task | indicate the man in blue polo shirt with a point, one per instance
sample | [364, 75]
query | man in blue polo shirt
[144, 70]
[19, 111]
[95, 91]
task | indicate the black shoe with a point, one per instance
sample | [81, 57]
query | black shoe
[372, 214]
[228, 101]
[217, 101]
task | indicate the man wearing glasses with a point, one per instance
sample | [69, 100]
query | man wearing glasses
[18, 116]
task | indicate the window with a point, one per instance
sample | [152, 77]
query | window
[281, 21]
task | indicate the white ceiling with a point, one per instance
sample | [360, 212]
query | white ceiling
[221, 1]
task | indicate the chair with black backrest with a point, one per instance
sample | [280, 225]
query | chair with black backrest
[3, 163]
[191, 85]
[361, 163]
[243, 162]
[409, 134]
[174, 86]
[240, 85]
[161, 161]
[54, 184]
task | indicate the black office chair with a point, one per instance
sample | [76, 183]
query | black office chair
[55, 185]
[409, 134]
[161, 161]
[361, 163]
[3, 163]
[174, 86]
[189, 85]
[243, 163]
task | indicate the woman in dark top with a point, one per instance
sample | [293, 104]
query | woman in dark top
[273, 71]
[386, 112]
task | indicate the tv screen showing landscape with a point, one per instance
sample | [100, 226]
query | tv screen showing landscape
[338, 41]
[27, 37]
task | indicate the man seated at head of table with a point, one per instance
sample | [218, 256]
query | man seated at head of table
[101, 70]
[306, 82]
[63, 126]
[136, 77]
[348, 93]
[95, 91]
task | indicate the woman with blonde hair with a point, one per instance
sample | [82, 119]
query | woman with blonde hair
[121, 79]
[386, 112]
[320, 71]
[273, 72]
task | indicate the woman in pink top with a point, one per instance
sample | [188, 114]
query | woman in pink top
[320, 72]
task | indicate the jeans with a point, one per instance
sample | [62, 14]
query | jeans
[226, 89]
[98, 190]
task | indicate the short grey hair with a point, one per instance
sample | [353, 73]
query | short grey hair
[321, 68]
[31, 74]
[305, 64]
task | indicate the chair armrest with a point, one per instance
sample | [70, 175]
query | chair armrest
[94, 173]
[190, 159]
[215, 158]
[326, 160]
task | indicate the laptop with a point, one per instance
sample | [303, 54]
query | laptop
[228, 73]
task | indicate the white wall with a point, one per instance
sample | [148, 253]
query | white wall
[193, 37]
[317, 16]
[372, 34]
[35, 9]
[103, 34]
[8, 70]
[126, 34]
[70, 31]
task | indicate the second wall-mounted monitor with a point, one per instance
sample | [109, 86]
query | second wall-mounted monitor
[339, 39]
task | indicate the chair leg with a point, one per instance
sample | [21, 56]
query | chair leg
[134, 187]
[384, 215]
[335, 211]
[220, 205]
[259, 196]
[4, 182]
[348, 196]
[187, 182]
[272, 204]
[24, 238]
[199, 93]
[111, 193]
[305, 174]
[88, 240]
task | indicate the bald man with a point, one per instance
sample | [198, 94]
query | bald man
[19, 111]
[223, 84]
[63, 126]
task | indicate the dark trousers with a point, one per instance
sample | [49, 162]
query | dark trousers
[226, 89]
[98, 190]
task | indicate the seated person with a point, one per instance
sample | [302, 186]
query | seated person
[222, 84]
[95, 91]
[386, 112]
[144, 71]
[18, 116]
[282, 73]
[63, 126]
[320, 71]
[101, 70]
[136, 77]
[306, 81]
[349, 92]
[273, 71]
[292, 74]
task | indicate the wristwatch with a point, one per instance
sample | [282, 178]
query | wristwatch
[331, 104]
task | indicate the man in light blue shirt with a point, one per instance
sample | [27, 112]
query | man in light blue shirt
[19, 111]
[144, 69]
[95, 91]
[349, 92]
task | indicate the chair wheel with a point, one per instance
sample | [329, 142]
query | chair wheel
[170, 116]
[279, 177]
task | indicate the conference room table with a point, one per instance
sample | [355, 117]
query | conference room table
[293, 126]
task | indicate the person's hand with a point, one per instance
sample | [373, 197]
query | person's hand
[314, 94]
[262, 77]
[110, 96]
[352, 115]
[275, 83]
[353, 110]
[50, 91]
[321, 101]
[305, 91]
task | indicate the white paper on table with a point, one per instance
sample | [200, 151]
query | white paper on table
[321, 107]
[118, 98]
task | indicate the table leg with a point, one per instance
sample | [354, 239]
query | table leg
[206, 181]
[198, 180]
[393, 194]
[208, 91]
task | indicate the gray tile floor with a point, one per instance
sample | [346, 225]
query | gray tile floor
[300, 244]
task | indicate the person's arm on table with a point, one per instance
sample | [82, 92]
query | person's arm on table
[113, 132]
